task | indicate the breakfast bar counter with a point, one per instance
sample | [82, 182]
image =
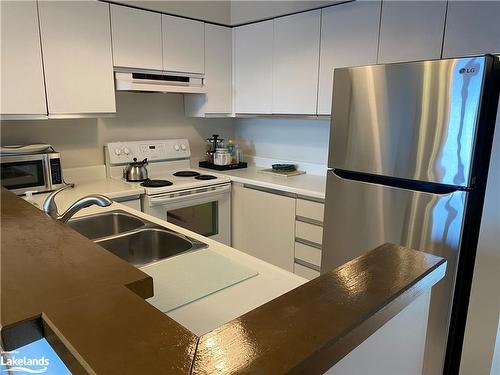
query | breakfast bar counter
[90, 306]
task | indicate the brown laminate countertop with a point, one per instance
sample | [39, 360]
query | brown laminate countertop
[90, 306]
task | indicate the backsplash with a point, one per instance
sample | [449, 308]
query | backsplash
[142, 116]
[284, 139]
[139, 116]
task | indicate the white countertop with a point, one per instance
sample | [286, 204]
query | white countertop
[305, 184]
[208, 313]
[109, 187]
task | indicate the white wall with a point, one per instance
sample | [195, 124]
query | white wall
[284, 139]
[140, 116]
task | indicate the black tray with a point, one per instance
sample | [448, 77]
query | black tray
[206, 164]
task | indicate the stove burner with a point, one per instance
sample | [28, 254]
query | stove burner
[205, 177]
[186, 174]
[156, 183]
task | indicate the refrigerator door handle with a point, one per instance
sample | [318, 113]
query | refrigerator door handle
[422, 186]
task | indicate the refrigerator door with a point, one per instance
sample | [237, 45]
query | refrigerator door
[360, 216]
[408, 120]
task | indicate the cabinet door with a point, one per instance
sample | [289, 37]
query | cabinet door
[264, 225]
[349, 37]
[472, 28]
[22, 86]
[296, 63]
[411, 30]
[183, 45]
[136, 38]
[253, 68]
[76, 45]
[218, 68]
[218, 75]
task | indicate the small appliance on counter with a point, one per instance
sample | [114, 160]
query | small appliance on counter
[34, 168]
[222, 157]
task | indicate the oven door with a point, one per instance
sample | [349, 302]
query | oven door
[25, 172]
[206, 211]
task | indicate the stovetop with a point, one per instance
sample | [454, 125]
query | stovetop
[183, 183]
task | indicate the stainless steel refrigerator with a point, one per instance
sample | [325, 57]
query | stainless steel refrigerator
[409, 152]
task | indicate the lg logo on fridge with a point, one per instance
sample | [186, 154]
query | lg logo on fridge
[467, 70]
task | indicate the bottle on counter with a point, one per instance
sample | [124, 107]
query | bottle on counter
[234, 151]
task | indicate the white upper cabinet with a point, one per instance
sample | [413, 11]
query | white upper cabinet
[22, 87]
[136, 38]
[296, 63]
[218, 74]
[472, 28]
[411, 30]
[183, 45]
[349, 37]
[253, 68]
[76, 45]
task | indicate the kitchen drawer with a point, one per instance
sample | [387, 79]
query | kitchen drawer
[308, 254]
[310, 210]
[310, 232]
[305, 272]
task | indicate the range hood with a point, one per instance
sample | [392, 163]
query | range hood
[182, 83]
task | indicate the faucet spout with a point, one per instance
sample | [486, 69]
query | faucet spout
[89, 200]
[50, 207]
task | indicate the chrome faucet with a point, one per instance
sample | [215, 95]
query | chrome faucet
[50, 207]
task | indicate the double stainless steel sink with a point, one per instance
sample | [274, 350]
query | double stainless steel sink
[135, 240]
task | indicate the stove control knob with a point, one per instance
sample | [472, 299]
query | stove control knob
[126, 150]
[176, 148]
[118, 152]
[183, 147]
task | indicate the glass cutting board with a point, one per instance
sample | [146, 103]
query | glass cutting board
[185, 278]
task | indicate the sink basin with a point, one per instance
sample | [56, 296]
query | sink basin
[106, 224]
[148, 245]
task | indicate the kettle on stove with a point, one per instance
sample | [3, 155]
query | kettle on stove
[136, 171]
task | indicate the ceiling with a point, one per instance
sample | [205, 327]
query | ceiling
[228, 12]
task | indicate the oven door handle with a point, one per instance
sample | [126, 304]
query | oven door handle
[159, 200]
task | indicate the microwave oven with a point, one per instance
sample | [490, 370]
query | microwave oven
[31, 172]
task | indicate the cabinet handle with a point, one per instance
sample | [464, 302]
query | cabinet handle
[309, 220]
[271, 191]
[310, 199]
[308, 265]
[309, 243]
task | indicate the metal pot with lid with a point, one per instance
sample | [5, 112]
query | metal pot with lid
[136, 171]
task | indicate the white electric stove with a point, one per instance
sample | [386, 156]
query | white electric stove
[193, 199]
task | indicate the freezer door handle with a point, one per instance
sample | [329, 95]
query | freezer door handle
[422, 186]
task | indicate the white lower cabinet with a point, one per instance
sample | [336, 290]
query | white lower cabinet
[305, 272]
[308, 237]
[263, 225]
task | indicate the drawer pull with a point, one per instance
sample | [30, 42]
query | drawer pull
[307, 264]
[308, 243]
[309, 220]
